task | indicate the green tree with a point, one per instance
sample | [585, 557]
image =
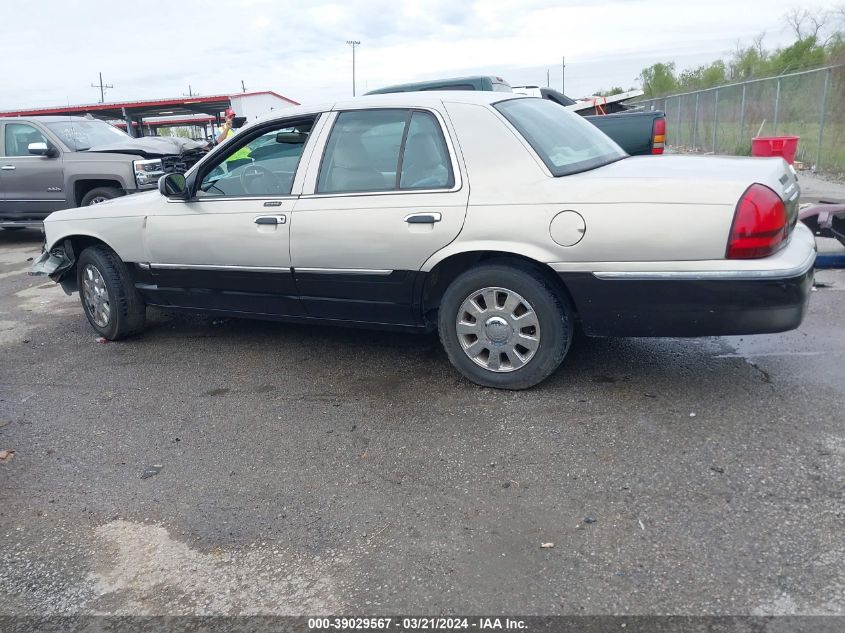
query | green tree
[705, 76]
[804, 53]
[616, 90]
[658, 79]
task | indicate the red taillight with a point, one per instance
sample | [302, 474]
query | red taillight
[658, 136]
[760, 225]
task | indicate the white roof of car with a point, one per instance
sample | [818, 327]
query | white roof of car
[430, 98]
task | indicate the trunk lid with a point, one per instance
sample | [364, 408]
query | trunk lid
[691, 179]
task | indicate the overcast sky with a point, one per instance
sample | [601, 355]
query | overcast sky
[53, 49]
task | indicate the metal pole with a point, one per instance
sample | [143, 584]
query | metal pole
[742, 116]
[353, 44]
[715, 120]
[678, 126]
[548, 79]
[777, 107]
[821, 118]
[695, 123]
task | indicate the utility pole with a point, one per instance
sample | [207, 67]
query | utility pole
[353, 44]
[243, 87]
[548, 81]
[191, 93]
[103, 87]
[563, 75]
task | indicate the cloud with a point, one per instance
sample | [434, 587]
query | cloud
[300, 49]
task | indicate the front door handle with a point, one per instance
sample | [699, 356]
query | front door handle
[423, 218]
[271, 219]
[7, 167]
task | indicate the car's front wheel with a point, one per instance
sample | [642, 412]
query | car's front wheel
[100, 194]
[113, 306]
[505, 326]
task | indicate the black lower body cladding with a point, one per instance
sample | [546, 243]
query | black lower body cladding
[688, 307]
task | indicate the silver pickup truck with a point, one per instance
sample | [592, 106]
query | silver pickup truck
[52, 163]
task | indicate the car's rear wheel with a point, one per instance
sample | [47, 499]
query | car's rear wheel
[505, 326]
[100, 194]
[113, 306]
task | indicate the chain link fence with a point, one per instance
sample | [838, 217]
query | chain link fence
[723, 120]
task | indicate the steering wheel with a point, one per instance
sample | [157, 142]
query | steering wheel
[253, 173]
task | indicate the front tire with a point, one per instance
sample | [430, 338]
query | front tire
[505, 325]
[113, 306]
[100, 194]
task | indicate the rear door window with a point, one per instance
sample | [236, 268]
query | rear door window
[425, 162]
[385, 150]
[18, 138]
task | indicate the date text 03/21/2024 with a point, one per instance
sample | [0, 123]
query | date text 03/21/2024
[416, 623]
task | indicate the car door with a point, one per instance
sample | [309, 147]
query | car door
[227, 247]
[385, 194]
[32, 185]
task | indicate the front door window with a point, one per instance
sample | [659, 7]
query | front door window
[262, 166]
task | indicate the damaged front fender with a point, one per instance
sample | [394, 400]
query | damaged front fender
[55, 264]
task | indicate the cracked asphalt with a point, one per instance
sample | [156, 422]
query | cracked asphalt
[305, 470]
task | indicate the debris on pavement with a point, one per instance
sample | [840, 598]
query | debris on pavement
[546, 545]
[6, 455]
[692, 415]
[102, 340]
[717, 469]
[589, 520]
[642, 527]
[151, 471]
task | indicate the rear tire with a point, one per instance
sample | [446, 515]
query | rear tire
[115, 309]
[515, 325]
[100, 194]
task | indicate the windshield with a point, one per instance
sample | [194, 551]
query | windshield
[82, 135]
[564, 141]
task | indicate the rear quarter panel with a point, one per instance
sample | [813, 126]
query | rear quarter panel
[513, 200]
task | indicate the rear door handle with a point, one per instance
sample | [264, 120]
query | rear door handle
[7, 167]
[271, 219]
[423, 218]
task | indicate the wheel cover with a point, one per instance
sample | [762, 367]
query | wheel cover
[498, 329]
[97, 200]
[96, 296]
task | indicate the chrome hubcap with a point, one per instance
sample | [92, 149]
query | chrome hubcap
[498, 329]
[97, 200]
[96, 296]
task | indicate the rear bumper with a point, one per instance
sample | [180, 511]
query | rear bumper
[703, 303]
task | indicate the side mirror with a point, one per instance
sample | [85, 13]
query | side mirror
[41, 149]
[173, 186]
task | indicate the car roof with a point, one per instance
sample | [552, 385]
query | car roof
[430, 99]
[434, 84]
[46, 119]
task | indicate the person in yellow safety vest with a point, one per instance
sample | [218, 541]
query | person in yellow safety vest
[227, 132]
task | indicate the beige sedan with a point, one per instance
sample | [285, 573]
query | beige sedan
[503, 221]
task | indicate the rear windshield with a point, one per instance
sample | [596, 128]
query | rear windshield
[567, 143]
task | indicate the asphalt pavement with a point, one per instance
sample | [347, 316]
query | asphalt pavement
[227, 466]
